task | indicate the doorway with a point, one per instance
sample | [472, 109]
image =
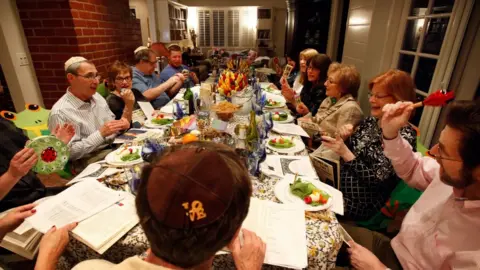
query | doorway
[6, 103]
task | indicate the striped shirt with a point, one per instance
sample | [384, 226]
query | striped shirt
[87, 118]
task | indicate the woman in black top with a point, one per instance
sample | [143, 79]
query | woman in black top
[120, 77]
[367, 176]
[313, 92]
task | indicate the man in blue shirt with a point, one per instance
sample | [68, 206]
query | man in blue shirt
[155, 90]
[175, 66]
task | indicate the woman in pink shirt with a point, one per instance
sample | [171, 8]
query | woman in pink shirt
[440, 231]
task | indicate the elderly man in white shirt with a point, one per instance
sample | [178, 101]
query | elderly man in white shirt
[95, 125]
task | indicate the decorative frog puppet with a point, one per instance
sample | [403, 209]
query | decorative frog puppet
[34, 120]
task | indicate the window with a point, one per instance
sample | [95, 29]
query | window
[204, 28]
[218, 28]
[428, 42]
[229, 27]
[233, 28]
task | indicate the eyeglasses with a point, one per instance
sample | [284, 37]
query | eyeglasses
[331, 81]
[438, 156]
[90, 76]
[122, 79]
[377, 96]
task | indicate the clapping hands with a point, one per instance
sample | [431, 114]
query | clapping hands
[64, 132]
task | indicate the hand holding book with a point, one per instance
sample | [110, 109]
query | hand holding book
[14, 218]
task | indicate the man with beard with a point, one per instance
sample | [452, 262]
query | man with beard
[440, 230]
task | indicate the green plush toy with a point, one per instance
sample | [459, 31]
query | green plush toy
[34, 120]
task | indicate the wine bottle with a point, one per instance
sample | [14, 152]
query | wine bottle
[252, 136]
[190, 98]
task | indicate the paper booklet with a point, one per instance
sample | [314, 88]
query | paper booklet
[282, 227]
[328, 170]
[290, 129]
[146, 108]
[278, 166]
[74, 204]
[102, 230]
[129, 136]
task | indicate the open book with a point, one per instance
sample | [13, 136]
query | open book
[25, 244]
[74, 204]
[282, 228]
[102, 230]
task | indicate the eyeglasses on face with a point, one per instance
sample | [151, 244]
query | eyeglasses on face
[438, 157]
[90, 76]
[122, 79]
[378, 96]
[331, 81]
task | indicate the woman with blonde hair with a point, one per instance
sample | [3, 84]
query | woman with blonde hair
[290, 92]
[367, 176]
[340, 107]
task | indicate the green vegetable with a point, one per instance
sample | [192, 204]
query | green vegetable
[301, 189]
[162, 121]
[286, 143]
[131, 157]
[281, 116]
[304, 189]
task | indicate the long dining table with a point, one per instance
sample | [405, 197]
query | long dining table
[323, 235]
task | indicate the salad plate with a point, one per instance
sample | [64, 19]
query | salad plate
[159, 121]
[282, 117]
[125, 156]
[306, 192]
[285, 144]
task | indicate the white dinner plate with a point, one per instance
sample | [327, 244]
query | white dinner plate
[289, 119]
[299, 145]
[283, 194]
[149, 124]
[115, 159]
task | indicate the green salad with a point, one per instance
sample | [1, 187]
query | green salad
[131, 156]
[281, 143]
[309, 193]
[280, 116]
[162, 121]
[272, 103]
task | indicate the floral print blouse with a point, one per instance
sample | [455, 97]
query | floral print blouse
[368, 180]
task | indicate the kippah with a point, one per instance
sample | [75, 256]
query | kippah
[73, 60]
[141, 48]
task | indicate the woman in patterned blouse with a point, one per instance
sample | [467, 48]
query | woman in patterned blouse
[367, 176]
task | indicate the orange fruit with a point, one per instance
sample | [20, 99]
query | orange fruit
[189, 138]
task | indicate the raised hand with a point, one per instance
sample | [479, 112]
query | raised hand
[345, 131]
[14, 218]
[288, 93]
[64, 132]
[395, 116]
[251, 254]
[338, 146]
[128, 97]
[22, 162]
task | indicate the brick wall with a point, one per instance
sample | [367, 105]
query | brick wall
[100, 30]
